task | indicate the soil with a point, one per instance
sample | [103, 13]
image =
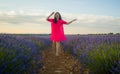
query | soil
[65, 63]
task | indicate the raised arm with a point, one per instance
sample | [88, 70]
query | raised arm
[49, 15]
[71, 21]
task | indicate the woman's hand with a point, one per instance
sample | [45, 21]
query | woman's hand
[74, 20]
[71, 21]
[50, 15]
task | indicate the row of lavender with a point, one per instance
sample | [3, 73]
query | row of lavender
[17, 53]
[99, 53]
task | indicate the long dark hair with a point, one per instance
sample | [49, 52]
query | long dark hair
[55, 19]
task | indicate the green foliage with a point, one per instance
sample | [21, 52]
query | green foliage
[104, 59]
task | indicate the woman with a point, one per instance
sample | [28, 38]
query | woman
[57, 30]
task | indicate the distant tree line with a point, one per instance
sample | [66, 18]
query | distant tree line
[113, 33]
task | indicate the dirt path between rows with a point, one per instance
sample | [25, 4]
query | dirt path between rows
[65, 63]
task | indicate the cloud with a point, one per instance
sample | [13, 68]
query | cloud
[88, 22]
[93, 19]
[21, 17]
[91, 23]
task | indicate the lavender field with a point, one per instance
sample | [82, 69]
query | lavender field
[20, 53]
[17, 53]
[99, 53]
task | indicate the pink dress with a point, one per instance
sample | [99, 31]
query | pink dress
[57, 30]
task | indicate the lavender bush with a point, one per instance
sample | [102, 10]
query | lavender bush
[99, 53]
[17, 53]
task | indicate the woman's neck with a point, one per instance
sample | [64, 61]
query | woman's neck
[57, 19]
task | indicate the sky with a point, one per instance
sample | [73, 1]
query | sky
[29, 16]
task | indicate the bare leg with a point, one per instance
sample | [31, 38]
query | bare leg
[53, 45]
[57, 48]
